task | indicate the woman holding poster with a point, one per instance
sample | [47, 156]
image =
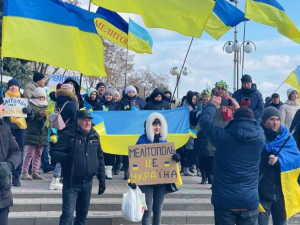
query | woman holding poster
[156, 131]
[17, 125]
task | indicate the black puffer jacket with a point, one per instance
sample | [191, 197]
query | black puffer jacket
[104, 105]
[125, 103]
[88, 156]
[77, 90]
[157, 105]
[9, 152]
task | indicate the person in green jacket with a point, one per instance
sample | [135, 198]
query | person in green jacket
[36, 135]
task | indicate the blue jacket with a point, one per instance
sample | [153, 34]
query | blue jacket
[144, 140]
[256, 101]
[238, 150]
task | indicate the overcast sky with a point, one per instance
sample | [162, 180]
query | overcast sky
[276, 56]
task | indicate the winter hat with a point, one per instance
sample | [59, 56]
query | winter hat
[99, 85]
[244, 111]
[12, 82]
[290, 90]
[91, 90]
[39, 92]
[222, 84]
[109, 91]
[130, 88]
[1, 100]
[246, 78]
[275, 95]
[206, 92]
[58, 86]
[268, 112]
[67, 87]
[37, 76]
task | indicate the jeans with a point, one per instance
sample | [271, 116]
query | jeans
[57, 170]
[155, 195]
[229, 217]
[45, 160]
[276, 209]
[79, 195]
[20, 139]
[4, 216]
[32, 152]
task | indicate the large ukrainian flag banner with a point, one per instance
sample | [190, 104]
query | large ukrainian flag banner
[115, 29]
[120, 129]
[271, 13]
[224, 17]
[294, 78]
[187, 17]
[52, 32]
[289, 160]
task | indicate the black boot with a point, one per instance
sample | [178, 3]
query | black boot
[126, 174]
[203, 175]
[16, 181]
[209, 178]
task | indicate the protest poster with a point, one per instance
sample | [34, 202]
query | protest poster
[54, 79]
[14, 106]
[152, 164]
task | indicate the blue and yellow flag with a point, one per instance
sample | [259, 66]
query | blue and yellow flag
[52, 32]
[115, 29]
[294, 79]
[271, 13]
[188, 18]
[120, 129]
[224, 17]
[290, 168]
[139, 39]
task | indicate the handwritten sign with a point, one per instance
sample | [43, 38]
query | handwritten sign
[55, 79]
[152, 164]
[14, 106]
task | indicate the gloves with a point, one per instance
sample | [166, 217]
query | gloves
[5, 169]
[133, 186]
[176, 157]
[27, 110]
[102, 188]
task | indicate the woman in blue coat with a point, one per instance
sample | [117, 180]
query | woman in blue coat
[156, 131]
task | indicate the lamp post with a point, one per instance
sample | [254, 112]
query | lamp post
[144, 85]
[235, 47]
[175, 72]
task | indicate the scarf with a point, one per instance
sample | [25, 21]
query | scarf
[19, 121]
[37, 102]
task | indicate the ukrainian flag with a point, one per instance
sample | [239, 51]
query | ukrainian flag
[294, 78]
[120, 129]
[290, 168]
[167, 164]
[135, 167]
[271, 13]
[186, 17]
[224, 17]
[115, 29]
[52, 32]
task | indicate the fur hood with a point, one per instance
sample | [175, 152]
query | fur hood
[62, 92]
[149, 129]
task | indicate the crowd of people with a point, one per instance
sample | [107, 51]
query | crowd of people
[235, 137]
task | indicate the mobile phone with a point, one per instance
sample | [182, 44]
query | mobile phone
[225, 102]
[253, 87]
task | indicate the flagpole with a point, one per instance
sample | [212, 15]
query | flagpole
[1, 76]
[243, 59]
[90, 5]
[126, 60]
[182, 69]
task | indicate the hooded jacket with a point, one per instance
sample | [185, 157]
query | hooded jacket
[238, 150]
[125, 103]
[70, 109]
[288, 111]
[256, 101]
[9, 152]
[277, 106]
[157, 105]
[104, 105]
[77, 90]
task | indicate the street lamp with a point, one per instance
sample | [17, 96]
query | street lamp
[144, 85]
[175, 72]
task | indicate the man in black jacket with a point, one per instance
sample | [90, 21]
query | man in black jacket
[275, 101]
[79, 166]
[10, 158]
[157, 101]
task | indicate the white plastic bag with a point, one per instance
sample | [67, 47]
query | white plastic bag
[133, 205]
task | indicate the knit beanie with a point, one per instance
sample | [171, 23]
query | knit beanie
[58, 86]
[109, 91]
[67, 87]
[39, 92]
[290, 90]
[244, 111]
[246, 79]
[37, 76]
[275, 95]
[99, 85]
[130, 88]
[268, 112]
[12, 82]
[222, 84]
[91, 90]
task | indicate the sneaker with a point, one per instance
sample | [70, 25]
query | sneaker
[55, 184]
[16, 182]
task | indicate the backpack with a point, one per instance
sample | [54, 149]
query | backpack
[56, 121]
